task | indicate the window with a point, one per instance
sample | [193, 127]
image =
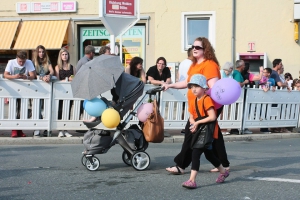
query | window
[197, 24]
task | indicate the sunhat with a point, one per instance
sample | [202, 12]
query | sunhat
[198, 79]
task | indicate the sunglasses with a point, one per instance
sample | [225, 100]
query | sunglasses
[197, 47]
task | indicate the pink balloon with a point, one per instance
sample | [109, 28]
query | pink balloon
[216, 105]
[208, 92]
[144, 111]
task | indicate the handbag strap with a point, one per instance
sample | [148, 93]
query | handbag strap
[197, 109]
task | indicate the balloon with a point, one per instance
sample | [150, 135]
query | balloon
[226, 91]
[216, 105]
[95, 107]
[144, 111]
[84, 102]
[110, 118]
[208, 92]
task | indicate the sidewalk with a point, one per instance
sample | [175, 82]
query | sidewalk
[171, 136]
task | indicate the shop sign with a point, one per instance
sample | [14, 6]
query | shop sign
[46, 7]
[120, 7]
[103, 32]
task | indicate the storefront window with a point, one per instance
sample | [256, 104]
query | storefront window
[133, 41]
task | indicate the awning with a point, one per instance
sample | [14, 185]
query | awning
[7, 34]
[50, 34]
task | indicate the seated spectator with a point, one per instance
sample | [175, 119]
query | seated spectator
[227, 69]
[159, 73]
[135, 69]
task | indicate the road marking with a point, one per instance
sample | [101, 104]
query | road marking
[275, 179]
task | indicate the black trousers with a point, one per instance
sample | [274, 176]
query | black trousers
[209, 155]
[184, 158]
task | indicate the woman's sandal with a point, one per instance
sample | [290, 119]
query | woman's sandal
[216, 169]
[179, 170]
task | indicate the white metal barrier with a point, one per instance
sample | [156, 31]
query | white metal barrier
[67, 112]
[271, 109]
[63, 112]
[72, 114]
[27, 99]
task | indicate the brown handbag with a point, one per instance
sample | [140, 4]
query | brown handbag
[153, 127]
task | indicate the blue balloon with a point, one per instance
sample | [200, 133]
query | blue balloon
[95, 107]
[84, 103]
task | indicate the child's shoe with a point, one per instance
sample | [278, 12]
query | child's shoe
[221, 178]
[189, 184]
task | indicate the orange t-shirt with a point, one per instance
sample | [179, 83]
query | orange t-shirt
[208, 103]
[207, 68]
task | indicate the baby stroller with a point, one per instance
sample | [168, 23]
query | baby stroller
[132, 140]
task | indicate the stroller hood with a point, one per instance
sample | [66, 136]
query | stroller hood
[129, 89]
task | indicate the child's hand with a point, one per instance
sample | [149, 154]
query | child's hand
[193, 127]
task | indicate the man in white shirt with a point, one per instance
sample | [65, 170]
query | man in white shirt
[185, 66]
[19, 68]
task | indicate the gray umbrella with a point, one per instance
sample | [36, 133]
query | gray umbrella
[97, 76]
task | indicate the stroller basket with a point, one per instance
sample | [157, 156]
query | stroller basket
[96, 141]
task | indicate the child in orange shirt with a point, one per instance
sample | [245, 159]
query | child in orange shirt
[197, 85]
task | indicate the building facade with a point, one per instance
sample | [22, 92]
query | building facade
[256, 31]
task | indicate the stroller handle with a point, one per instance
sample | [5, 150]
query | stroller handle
[155, 90]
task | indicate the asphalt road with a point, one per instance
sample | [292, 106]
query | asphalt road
[267, 169]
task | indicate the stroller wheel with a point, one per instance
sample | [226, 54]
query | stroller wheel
[83, 160]
[140, 161]
[92, 166]
[126, 158]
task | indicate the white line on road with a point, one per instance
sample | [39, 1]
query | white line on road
[275, 179]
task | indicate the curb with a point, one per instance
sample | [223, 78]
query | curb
[172, 139]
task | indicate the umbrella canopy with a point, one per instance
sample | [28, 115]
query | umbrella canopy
[97, 76]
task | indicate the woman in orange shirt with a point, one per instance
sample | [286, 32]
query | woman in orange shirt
[205, 63]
